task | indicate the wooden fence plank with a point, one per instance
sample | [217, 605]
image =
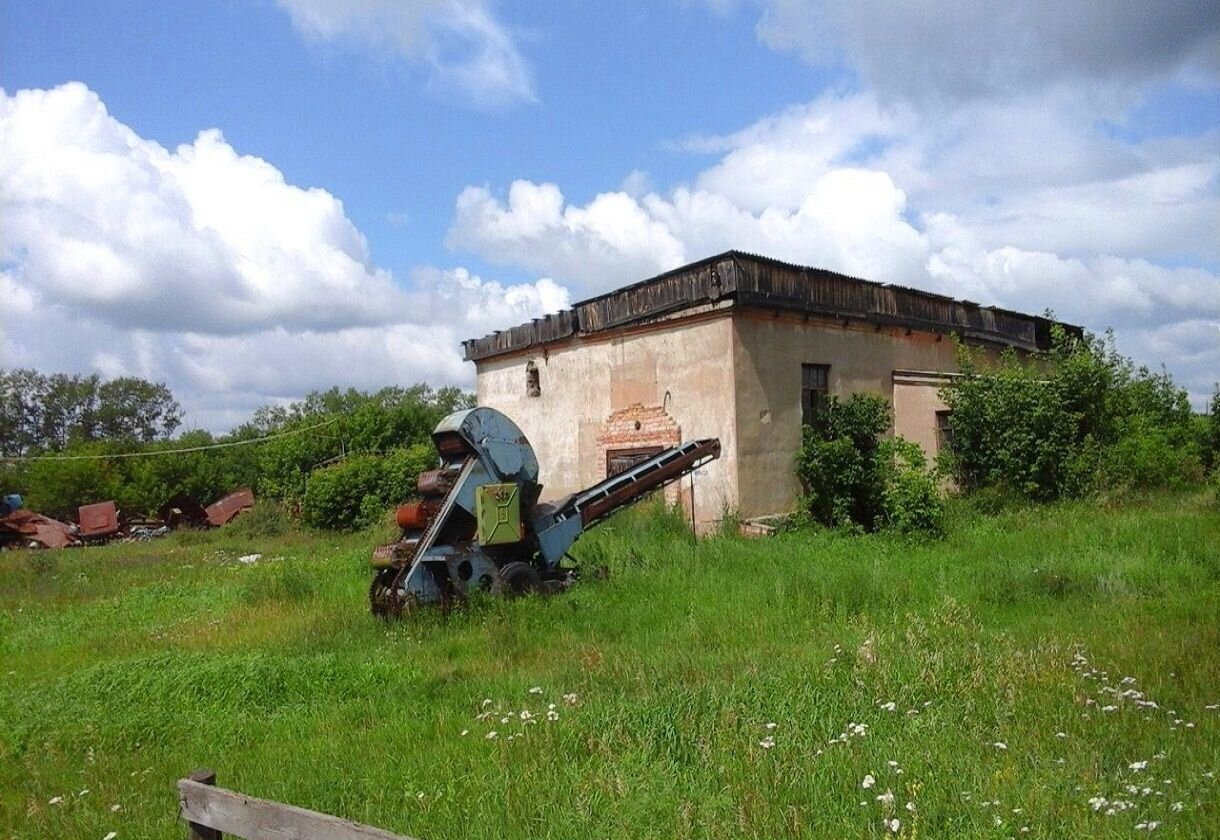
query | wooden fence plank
[259, 819]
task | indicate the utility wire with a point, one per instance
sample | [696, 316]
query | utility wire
[152, 452]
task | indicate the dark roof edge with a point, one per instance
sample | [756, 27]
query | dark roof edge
[587, 316]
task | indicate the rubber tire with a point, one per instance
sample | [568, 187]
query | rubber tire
[516, 579]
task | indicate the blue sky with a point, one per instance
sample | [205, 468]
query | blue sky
[389, 178]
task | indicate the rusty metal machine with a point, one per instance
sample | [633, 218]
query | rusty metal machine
[480, 524]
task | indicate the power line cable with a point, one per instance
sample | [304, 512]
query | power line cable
[152, 452]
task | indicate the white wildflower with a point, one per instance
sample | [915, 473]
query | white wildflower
[570, 699]
[1000, 745]
[894, 825]
[1061, 734]
[889, 707]
[552, 715]
[892, 763]
[83, 792]
[116, 807]
[486, 702]
[537, 689]
[110, 835]
[1177, 806]
[868, 781]
[465, 732]
[886, 799]
[505, 719]
[767, 743]
[911, 807]
[771, 726]
[55, 800]
[492, 735]
[526, 715]
[1137, 766]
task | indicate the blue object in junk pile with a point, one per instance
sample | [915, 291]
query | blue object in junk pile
[10, 503]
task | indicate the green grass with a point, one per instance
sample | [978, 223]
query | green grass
[126, 667]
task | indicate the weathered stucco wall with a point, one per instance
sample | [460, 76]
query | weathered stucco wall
[769, 352]
[679, 372]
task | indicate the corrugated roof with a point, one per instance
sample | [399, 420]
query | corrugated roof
[750, 280]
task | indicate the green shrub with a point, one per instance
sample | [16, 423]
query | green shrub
[911, 499]
[853, 479]
[357, 491]
[1081, 419]
[268, 518]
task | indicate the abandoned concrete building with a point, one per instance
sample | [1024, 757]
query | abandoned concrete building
[738, 347]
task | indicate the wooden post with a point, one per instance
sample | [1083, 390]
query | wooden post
[195, 831]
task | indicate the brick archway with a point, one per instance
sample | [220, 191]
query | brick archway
[634, 433]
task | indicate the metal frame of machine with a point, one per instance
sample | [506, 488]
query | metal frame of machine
[480, 526]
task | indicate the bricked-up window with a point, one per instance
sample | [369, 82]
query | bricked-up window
[815, 386]
[621, 460]
[533, 384]
[944, 431]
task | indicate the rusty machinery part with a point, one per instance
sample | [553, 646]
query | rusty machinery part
[386, 597]
[417, 516]
[435, 483]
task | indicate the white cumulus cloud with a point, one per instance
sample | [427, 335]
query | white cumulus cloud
[204, 268]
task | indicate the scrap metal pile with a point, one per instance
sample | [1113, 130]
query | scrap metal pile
[480, 525]
[101, 522]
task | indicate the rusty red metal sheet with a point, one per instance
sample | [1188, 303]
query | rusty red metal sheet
[98, 520]
[223, 510]
[41, 529]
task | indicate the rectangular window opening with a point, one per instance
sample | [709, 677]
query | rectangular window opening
[815, 388]
[944, 431]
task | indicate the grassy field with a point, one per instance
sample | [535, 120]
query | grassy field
[1049, 672]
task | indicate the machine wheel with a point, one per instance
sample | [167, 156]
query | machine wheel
[516, 579]
[384, 600]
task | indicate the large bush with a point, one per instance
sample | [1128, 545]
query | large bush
[1064, 425]
[357, 491]
[852, 477]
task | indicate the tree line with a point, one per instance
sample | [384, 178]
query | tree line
[358, 450]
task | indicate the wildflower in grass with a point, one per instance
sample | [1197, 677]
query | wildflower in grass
[55, 800]
[552, 715]
[996, 821]
[526, 715]
[537, 689]
[892, 764]
[83, 792]
[487, 701]
[1000, 745]
[1137, 766]
[886, 799]
[116, 807]
[110, 835]
[465, 732]
[505, 719]
[1213, 707]
[1109, 709]
[1061, 734]
[492, 735]
[1098, 802]
[889, 707]
[767, 743]
[910, 806]
[868, 781]
[894, 825]
[1177, 806]
[570, 699]
[771, 726]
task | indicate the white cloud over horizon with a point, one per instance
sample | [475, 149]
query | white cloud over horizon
[203, 268]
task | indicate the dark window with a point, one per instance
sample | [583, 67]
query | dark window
[533, 386]
[815, 386]
[621, 460]
[944, 431]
